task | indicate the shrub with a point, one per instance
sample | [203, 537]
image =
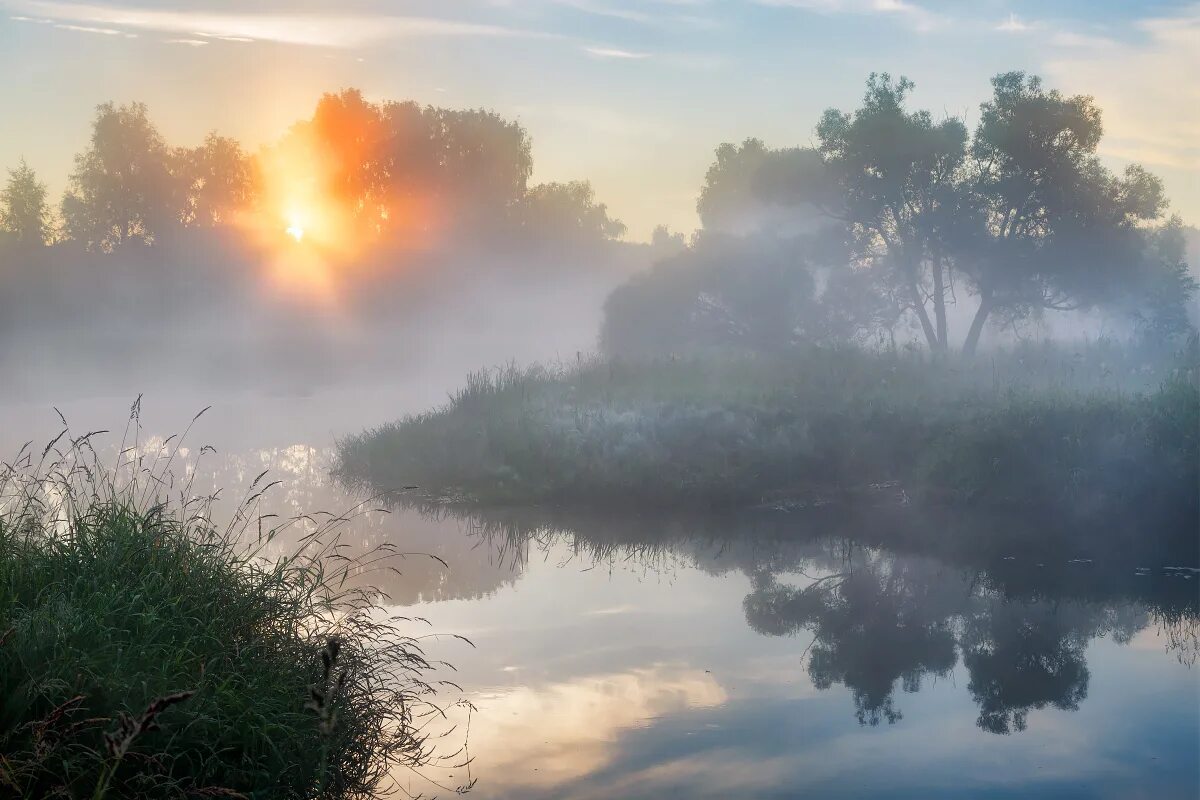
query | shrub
[146, 652]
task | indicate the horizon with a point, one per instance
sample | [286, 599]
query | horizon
[618, 77]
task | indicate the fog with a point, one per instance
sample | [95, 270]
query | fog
[914, 409]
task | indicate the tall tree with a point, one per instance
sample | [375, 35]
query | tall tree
[122, 189]
[899, 174]
[1060, 231]
[214, 180]
[24, 213]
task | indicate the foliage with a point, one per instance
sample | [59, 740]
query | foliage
[567, 212]
[752, 189]
[148, 653]
[733, 433]
[1020, 216]
[121, 189]
[24, 214]
[722, 292]
[898, 173]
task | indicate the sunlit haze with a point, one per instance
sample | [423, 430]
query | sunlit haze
[631, 95]
[600, 399]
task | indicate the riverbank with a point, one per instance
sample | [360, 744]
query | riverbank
[1095, 433]
[145, 651]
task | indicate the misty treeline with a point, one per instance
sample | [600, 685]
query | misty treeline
[897, 225]
[391, 170]
[421, 222]
[423, 225]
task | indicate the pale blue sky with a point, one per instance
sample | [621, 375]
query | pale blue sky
[631, 95]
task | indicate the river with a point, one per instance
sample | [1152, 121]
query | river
[781, 654]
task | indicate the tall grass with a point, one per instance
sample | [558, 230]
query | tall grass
[1033, 425]
[146, 651]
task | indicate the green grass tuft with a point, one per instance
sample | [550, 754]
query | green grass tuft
[148, 653]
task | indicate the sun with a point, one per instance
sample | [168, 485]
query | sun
[295, 228]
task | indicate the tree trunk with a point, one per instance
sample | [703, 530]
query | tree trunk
[939, 305]
[923, 315]
[972, 342]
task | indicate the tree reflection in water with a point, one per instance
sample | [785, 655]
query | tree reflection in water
[881, 618]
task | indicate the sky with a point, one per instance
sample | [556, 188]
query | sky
[633, 96]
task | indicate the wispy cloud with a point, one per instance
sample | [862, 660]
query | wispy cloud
[606, 10]
[324, 30]
[188, 42]
[614, 52]
[89, 29]
[917, 17]
[1015, 24]
[666, 14]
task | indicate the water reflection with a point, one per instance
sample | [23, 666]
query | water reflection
[828, 652]
[884, 621]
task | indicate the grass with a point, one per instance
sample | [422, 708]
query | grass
[147, 652]
[1095, 427]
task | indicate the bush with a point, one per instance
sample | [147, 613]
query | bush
[148, 653]
[735, 432]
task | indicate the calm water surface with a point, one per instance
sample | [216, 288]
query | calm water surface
[781, 656]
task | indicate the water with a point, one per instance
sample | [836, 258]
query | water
[771, 655]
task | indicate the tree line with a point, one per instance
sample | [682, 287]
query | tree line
[381, 168]
[894, 222]
[895, 217]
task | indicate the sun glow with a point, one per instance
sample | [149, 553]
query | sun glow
[296, 228]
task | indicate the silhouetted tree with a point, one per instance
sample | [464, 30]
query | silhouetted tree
[752, 189]
[1060, 231]
[122, 189]
[24, 214]
[899, 174]
[567, 212]
[215, 180]
[397, 169]
[721, 292]
[1160, 311]
[665, 244]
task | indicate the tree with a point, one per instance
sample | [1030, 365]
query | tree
[901, 196]
[722, 292]
[567, 212]
[122, 189]
[753, 189]
[215, 180]
[664, 244]
[24, 214]
[1059, 231]
[398, 171]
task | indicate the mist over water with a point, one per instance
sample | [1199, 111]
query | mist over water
[883, 481]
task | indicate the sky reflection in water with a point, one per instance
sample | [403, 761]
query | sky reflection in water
[719, 658]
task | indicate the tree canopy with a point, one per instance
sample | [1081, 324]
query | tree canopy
[24, 213]
[901, 216]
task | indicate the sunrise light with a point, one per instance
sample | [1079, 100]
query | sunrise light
[296, 228]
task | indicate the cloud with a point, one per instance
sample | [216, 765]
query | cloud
[323, 30]
[188, 42]
[1151, 102]
[602, 10]
[917, 17]
[89, 29]
[571, 729]
[1015, 24]
[615, 53]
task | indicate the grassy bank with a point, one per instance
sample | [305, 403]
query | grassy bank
[1096, 430]
[146, 652]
